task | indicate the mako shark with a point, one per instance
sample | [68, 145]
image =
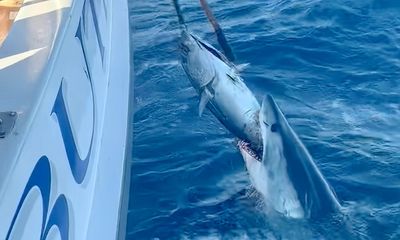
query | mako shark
[286, 175]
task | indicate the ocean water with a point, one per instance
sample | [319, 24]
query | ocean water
[334, 69]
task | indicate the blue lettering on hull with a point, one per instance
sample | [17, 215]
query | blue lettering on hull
[41, 174]
[78, 166]
[41, 178]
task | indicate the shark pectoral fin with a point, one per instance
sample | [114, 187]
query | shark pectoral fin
[204, 98]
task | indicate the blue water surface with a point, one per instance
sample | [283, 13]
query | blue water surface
[334, 69]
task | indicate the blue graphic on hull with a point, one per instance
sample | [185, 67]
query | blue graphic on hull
[41, 178]
[41, 174]
[78, 166]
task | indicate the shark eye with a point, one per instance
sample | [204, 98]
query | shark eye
[274, 127]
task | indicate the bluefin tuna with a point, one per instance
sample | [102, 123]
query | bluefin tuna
[221, 89]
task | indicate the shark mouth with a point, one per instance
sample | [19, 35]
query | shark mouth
[246, 147]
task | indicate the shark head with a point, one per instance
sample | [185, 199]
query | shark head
[196, 60]
[269, 173]
[270, 127]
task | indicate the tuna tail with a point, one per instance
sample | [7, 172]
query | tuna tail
[179, 14]
[218, 31]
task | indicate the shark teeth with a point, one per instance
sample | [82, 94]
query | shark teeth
[246, 146]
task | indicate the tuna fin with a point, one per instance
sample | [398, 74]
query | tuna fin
[204, 98]
[242, 67]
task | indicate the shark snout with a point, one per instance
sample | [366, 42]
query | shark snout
[268, 113]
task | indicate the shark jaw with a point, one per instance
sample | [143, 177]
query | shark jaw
[272, 183]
